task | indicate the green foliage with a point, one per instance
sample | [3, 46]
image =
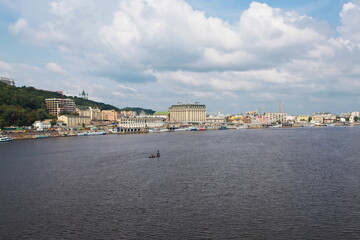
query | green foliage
[93, 104]
[21, 106]
[53, 122]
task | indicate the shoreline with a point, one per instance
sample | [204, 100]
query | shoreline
[54, 133]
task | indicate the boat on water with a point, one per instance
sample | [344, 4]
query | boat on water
[40, 136]
[155, 156]
[4, 138]
[91, 133]
[154, 130]
[223, 128]
[158, 130]
[180, 130]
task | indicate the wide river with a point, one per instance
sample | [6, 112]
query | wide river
[299, 183]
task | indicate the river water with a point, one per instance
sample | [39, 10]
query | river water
[298, 183]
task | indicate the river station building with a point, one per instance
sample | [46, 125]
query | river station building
[187, 112]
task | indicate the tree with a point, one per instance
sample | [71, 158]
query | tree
[53, 122]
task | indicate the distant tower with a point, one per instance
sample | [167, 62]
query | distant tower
[280, 105]
[84, 95]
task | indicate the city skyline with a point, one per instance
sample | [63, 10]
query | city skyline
[231, 56]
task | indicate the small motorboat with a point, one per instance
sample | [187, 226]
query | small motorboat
[154, 156]
[5, 138]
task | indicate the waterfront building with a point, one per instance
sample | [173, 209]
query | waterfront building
[276, 117]
[252, 114]
[355, 114]
[41, 125]
[317, 119]
[129, 113]
[93, 113]
[8, 81]
[165, 115]
[141, 122]
[236, 119]
[302, 119]
[262, 120]
[320, 118]
[187, 112]
[59, 105]
[345, 115]
[73, 121]
[291, 119]
[109, 115]
[216, 119]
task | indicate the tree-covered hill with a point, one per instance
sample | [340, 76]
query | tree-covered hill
[21, 106]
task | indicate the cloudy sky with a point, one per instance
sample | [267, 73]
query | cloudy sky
[232, 55]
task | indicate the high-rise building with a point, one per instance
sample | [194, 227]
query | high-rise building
[187, 112]
[8, 81]
[60, 105]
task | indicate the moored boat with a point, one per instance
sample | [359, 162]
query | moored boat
[180, 129]
[4, 138]
[40, 136]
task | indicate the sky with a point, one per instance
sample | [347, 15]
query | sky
[233, 56]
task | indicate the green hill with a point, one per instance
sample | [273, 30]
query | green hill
[21, 106]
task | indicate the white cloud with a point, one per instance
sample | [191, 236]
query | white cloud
[167, 46]
[350, 17]
[6, 67]
[54, 67]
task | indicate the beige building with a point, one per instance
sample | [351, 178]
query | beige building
[302, 119]
[141, 122]
[70, 120]
[109, 115]
[58, 105]
[93, 113]
[187, 112]
[216, 119]
[275, 117]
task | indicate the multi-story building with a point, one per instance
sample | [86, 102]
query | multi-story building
[59, 105]
[73, 121]
[128, 113]
[302, 119]
[110, 115]
[216, 119]
[93, 113]
[8, 81]
[188, 112]
[141, 122]
[319, 118]
[252, 114]
[275, 117]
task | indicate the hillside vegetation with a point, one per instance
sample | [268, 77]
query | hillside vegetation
[21, 106]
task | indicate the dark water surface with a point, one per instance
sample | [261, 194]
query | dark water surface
[241, 184]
